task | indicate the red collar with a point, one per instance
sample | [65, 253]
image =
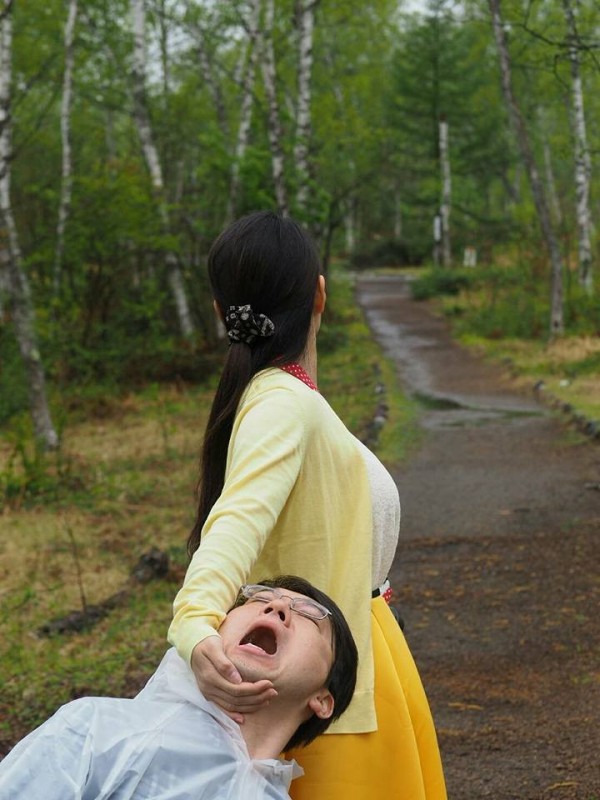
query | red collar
[299, 372]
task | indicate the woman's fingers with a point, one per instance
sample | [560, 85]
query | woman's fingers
[236, 706]
[211, 649]
[244, 697]
[221, 683]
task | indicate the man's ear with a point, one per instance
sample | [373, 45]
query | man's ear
[321, 704]
[320, 295]
[218, 312]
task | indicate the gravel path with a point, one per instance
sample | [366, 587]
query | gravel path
[498, 568]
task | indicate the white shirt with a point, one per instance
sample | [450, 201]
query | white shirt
[385, 507]
[168, 743]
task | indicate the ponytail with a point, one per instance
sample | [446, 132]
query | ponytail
[271, 263]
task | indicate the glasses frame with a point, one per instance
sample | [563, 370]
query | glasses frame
[251, 590]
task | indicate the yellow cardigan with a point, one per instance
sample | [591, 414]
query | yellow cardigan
[296, 500]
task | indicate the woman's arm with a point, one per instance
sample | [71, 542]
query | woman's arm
[265, 456]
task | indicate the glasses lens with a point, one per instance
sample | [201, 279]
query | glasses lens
[309, 608]
[302, 605]
[258, 592]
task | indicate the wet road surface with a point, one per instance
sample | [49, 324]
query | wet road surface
[498, 566]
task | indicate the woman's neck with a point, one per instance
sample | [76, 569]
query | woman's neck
[308, 360]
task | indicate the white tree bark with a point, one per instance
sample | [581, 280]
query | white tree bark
[583, 165]
[146, 136]
[446, 193]
[14, 275]
[238, 73]
[164, 51]
[275, 135]
[306, 23]
[65, 130]
[537, 187]
[243, 136]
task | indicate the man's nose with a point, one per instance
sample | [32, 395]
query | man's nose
[281, 607]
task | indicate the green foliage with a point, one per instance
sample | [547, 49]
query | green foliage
[32, 474]
[582, 310]
[381, 81]
[13, 387]
[443, 67]
[590, 365]
[436, 282]
[382, 252]
[507, 302]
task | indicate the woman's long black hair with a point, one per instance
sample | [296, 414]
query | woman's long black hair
[271, 263]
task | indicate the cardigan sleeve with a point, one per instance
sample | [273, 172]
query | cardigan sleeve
[265, 456]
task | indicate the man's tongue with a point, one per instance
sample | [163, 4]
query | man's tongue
[260, 640]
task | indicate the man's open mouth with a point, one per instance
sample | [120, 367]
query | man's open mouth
[261, 638]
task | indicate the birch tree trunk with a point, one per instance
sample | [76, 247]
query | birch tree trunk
[446, 193]
[14, 276]
[537, 187]
[145, 133]
[243, 136]
[275, 136]
[238, 73]
[583, 166]
[306, 23]
[65, 130]
[164, 51]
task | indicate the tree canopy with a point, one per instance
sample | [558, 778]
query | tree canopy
[331, 109]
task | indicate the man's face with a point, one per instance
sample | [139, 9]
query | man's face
[269, 640]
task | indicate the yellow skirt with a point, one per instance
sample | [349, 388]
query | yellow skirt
[400, 760]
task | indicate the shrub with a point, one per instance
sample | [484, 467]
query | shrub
[381, 253]
[436, 282]
[13, 387]
[509, 302]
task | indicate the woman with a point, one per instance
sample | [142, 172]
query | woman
[285, 488]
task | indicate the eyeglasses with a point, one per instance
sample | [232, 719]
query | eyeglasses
[301, 605]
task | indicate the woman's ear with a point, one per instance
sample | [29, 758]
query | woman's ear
[321, 704]
[320, 295]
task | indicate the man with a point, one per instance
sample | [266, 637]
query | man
[169, 743]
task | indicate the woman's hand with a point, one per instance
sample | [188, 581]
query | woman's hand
[220, 682]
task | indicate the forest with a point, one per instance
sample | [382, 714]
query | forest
[458, 138]
[454, 145]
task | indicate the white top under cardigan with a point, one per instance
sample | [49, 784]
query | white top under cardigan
[385, 504]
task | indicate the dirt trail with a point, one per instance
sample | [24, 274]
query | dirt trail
[498, 570]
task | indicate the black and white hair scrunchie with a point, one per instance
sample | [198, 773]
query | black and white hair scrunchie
[243, 325]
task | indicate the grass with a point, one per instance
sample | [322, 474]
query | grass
[136, 491]
[124, 483]
[569, 367]
[502, 312]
